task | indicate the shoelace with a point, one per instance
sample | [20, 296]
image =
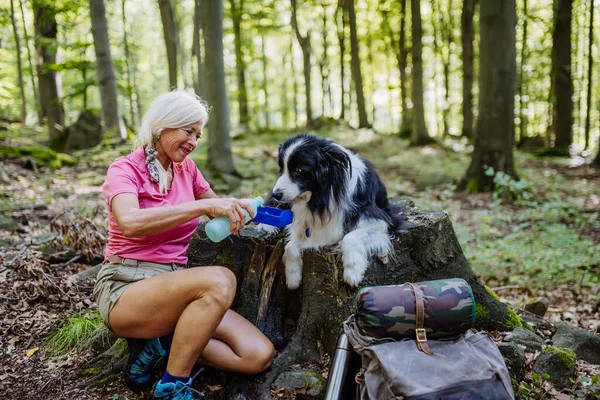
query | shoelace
[188, 390]
[151, 353]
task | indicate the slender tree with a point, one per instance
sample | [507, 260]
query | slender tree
[19, 63]
[131, 81]
[199, 81]
[419, 135]
[494, 134]
[305, 45]
[31, 68]
[295, 81]
[171, 35]
[590, 75]
[265, 80]
[340, 14]
[237, 10]
[467, 38]
[105, 68]
[324, 66]
[563, 81]
[523, 75]
[355, 66]
[46, 30]
[220, 158]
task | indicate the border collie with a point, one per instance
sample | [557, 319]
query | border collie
[336, 196]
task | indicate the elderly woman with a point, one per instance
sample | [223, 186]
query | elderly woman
[155, 196]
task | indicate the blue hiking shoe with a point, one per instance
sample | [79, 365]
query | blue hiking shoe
[178, 390]
[143, 357]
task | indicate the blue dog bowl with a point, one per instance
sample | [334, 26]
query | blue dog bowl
[273, 216]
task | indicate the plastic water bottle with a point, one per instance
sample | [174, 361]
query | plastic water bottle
[220, 227]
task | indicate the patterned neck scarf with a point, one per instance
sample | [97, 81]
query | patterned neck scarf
[151, 155]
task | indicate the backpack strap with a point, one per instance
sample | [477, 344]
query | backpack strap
[420, 333]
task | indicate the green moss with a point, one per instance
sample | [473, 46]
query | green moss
[224, 260]
[513, 320]
[91, 372]
[43, 156]
[318, 377]
[492, 293]
[482, 312]
[472, 185]
[567, 356]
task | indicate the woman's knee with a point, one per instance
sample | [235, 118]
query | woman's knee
[260, 357]
[222, 286]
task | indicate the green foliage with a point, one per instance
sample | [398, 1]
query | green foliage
[43, 156]
[513, 320]
[508, 188]
[533, 389]
[74, 334]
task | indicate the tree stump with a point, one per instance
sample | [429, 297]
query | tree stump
[305, 323]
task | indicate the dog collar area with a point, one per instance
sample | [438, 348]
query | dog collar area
[273, 216]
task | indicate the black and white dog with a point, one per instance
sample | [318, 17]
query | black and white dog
[336, 196]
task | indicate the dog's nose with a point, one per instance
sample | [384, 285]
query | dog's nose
[277, 194]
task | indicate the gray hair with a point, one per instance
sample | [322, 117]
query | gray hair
[170, 110]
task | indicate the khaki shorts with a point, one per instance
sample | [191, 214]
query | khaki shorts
[114, 278]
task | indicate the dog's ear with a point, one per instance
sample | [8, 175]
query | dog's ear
[336, 155]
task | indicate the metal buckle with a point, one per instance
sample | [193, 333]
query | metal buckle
[421, 335]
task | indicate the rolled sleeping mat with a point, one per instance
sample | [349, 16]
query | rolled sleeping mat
[389, 311]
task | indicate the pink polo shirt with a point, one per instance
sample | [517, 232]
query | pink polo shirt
[129, 174]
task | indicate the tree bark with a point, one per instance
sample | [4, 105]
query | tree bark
[467, 38]
[200, 82]
[31, 69]
[265, 81]
[563, 82]
[341, 32]
[299, 321]
[590, 76]
[523, 77]
[131, 80]
[237, 9]
[19, 64]
[104, 66]
[363, 121]
[419, 135]
[46, 29]
[171, 35]
[305, 45]
[220, 159]
[494, 136]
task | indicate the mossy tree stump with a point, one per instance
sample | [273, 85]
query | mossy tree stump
[306, 322]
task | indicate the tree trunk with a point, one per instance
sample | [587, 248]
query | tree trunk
[590, 75]
[304, 42]
[19, 64]
[200, 83]
[467, 38]
[170, 32]
[341, 32]
[264, 82]
[419, 136]
[237, 9]
[285, 112]
[104, 66]
[563, 82]
[131, 89]
[46, 30]
[406, 123]
[355, 66]
[298, 322]
[220, 158]
[31, 69]
[523, 77]
[324, 69]
[494, 136]
[295, 83]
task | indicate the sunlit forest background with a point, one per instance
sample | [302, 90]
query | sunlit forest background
[487, 109]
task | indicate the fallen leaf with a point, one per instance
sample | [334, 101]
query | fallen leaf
[212, 388]
[31, 352]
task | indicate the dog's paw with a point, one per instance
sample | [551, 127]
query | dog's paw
[267, 229]
[353, 276]
[293, 273]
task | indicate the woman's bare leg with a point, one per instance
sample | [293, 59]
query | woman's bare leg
[238, 346]
[191, 303]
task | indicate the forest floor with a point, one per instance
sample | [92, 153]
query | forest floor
[544, 243]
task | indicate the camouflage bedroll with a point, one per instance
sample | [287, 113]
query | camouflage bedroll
[389, 311]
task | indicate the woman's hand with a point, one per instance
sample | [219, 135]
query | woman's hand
[231, 208]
